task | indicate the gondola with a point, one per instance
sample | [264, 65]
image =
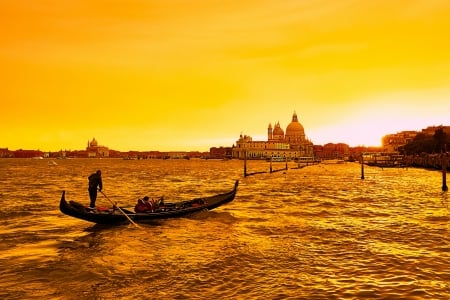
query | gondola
[166, 211]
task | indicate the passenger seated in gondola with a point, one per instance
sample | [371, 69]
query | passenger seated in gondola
[140, 206]
[149, 205]
[144, 205]
[148, 202]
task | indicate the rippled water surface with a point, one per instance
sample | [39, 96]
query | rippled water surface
[314, 233]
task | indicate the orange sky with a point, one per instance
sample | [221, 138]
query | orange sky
[188, 75]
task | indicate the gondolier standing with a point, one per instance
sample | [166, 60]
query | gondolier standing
[95, 181]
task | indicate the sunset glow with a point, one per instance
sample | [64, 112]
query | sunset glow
[189, 75]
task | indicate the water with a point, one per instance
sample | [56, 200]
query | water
[314, 233]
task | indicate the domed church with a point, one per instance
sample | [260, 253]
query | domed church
[93, 149]
[290, 145]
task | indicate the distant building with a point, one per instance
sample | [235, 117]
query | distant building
[392, 142]
[95, 151]
[4, 152]
[430, 130]
[291, 145]
[176, 155]
[28, 153]
[333, 151]
[220, 152]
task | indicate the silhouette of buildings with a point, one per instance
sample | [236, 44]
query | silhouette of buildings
[292, 145]
[393, 142]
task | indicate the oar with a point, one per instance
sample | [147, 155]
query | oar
[114, 205]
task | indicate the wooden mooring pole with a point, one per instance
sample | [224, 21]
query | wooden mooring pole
[444, 171]
[362, 166]
[245, 163]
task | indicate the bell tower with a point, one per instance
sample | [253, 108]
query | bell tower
[269, 132]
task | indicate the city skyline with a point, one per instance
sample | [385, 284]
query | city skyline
[143, 75]
[427, 130]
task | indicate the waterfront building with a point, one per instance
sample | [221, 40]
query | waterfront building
[431, 130]
[333, 151]
[220, 152]
[95, 151]
[4, 152]
[291, 145]
[392, 142]
[21, 153]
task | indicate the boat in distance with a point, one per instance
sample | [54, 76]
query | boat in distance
[165, 211]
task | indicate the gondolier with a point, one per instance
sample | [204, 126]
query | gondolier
[95, 182]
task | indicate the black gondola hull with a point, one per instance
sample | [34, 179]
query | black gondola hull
[77, 210]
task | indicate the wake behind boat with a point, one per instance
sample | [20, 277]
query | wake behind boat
[166, 211]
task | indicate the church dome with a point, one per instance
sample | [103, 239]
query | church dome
[278, 130]
[295, 129]
[93, 143]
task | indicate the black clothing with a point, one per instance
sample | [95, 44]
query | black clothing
[93, 197]
[95, 180]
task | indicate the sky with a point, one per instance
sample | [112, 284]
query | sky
[187, 75]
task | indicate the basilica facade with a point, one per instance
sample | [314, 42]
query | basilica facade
[289, 145]
[94, 150]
